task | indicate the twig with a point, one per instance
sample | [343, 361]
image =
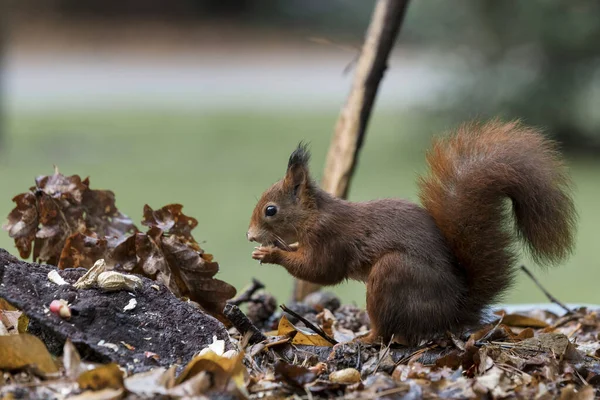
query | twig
[548, 294]
[242, 323]
[388, 392]
[352, 122]
[309, 325]
[489, 333]
[385, 352]
[246, 296]
[563, 320]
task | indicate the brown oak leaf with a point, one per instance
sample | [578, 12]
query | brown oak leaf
[172, 221]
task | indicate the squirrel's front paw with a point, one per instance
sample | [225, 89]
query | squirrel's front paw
[265, 254]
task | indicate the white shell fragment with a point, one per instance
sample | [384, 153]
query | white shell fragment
[230, 353]
[217, 347]
[131, 305]
[89, 278]
[54, 277]
[111, 346]
[113, 280]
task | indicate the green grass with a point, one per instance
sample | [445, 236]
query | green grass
[217, 164]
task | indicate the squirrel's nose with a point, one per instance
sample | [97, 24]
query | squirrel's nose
[250, 237]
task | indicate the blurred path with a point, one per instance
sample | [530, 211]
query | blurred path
[243, 78]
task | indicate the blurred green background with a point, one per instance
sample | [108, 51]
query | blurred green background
[201, 102]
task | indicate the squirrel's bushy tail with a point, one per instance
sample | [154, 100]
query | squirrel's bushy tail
[481, 174]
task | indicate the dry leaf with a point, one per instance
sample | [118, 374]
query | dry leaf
[71, 360]
[104, 376]
[522, 321]
[147, 383]
[525, 334]
[555, 343]
[22, 222]
[286, 328]
[293, 374]
[57, 208]
[102, 216]
[82, 251]
[171, 220]
[5, 305]
[332, 327]
[222, 369]
[584, 393]
[19, 351]
[104, 394]
[70, 225]
[198, 384]
[15, 322]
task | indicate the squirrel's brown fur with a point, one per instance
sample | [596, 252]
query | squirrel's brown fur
[434, 268]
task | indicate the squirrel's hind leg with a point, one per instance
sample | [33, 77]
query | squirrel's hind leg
[410, 300]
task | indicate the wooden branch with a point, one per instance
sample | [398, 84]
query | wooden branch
[547, 293]
[246, 296]
[243, 324]
[309, 325]
[352, 122]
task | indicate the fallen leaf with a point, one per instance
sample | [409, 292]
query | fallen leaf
[151, 259]
[452, 360]
[571, 393]
[525, 334]
[332, 327]
[22, 222]
[102, 215]
[522, 321]
[493, 382]
[286, 328]
[15, 322]
[147, 383]
[293, 374]
[104, 394]
[171, 220]
[104, 376]
[193, 276]
[82, 251]
[5, 305]
[198, 384]
[60, 207]
[556, 343]
[19, 351]
[222, 369]
[3, 330]
[71, 360]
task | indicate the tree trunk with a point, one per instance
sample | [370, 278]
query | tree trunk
[354, 117]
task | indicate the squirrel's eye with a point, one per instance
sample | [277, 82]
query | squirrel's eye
[270, 211]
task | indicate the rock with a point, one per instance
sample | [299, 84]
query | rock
[261, 308]
[159, 324]
[320, 300]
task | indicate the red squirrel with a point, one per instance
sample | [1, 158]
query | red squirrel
[435, 267]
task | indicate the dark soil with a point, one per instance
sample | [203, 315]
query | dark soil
[169, 329]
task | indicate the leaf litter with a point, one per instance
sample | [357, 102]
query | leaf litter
[310, 351]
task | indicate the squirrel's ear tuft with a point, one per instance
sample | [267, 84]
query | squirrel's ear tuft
[296, 178]
[300, 156]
